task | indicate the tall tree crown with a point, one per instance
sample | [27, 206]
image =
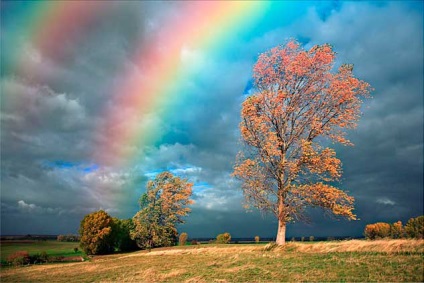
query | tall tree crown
[298, 101]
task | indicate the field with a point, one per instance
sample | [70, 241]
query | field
[355, 260]
[52, 248]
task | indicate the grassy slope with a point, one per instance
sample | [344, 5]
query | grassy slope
[53, 248]
[395, 260]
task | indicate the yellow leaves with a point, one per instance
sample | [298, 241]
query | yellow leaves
[96, 231]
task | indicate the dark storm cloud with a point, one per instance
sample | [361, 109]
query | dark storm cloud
[62, 112]
[384, 169]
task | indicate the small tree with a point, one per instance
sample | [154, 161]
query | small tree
[163, 206]
[223, 238]
[183, 239]
[377, 230]
[298, 102]
[257, 239]
[396, 230]
[414, 228]
[311, 238]
[96, 230]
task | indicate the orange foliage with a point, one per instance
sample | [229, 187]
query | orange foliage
[298, 100]
[96, 233]
[377, 230]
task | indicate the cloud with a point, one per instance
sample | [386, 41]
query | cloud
[385, 201]
[52, 114]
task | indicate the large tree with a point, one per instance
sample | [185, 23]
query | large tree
[298, 104]
[163, 206]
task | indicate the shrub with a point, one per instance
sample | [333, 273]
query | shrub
[183, 239]
[19, 258]
[377, 230]
[257, 239]
[311, 238]
[414, 228]
[293, 239]
[68, 238]
[396, 230]
[44, 257]
[223, 238]
[194, 242]
[75, 249]
[302, 239]
[34, 259]
[122, 235]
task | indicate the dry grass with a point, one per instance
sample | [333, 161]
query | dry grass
[393, 260]
[386, 246]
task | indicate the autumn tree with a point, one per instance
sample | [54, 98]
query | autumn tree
[397, 230]
[414, 228]
[298, 103]
[183, 239]
[377, 230]
[97, 235]
[163, 206]
[223, 238]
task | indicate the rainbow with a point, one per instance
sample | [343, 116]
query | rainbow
[201, 26]
[157, 72]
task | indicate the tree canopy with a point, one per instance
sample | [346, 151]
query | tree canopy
[298, 104]
[96, 230]
[163, 206]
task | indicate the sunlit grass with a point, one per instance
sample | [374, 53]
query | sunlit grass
[243, 263]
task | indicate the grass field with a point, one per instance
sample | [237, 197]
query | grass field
[52, 248]
[355, 260]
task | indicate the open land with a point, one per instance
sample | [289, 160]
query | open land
[354, 260]
[52, 248]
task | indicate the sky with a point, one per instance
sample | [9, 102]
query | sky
[97, 98]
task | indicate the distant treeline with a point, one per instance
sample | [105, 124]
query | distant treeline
[28, 237]
[414, 228]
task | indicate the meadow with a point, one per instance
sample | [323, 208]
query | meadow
[51, 247]
[354, 260]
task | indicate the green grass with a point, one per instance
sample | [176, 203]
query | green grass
[398, 261]
[52, 248]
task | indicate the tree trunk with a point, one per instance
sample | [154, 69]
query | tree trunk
[281, 233]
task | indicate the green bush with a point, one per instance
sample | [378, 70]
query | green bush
[397, 230]
[415, 227]
[44, 257]
[19, 258]
[223, 238]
